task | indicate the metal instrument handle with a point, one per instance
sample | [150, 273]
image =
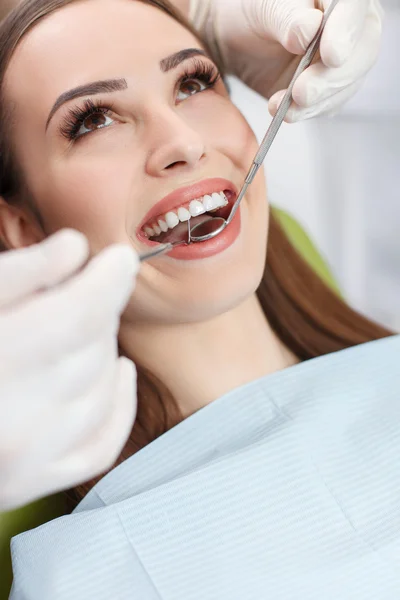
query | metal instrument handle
[281, 112]
[287, 99]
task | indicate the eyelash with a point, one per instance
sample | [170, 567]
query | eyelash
[207, 73]
[77, 116]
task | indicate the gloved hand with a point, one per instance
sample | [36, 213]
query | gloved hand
[258, 41]
[67, 402]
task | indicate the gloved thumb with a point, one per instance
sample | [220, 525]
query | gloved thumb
[345, 27]
[292, 26]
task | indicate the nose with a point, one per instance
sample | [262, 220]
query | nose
[175, 145]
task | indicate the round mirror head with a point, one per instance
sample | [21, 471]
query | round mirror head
[208, 229]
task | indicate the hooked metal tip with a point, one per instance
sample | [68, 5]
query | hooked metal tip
[163, 248]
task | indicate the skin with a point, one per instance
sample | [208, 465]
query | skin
[197, 325]
[7, 5]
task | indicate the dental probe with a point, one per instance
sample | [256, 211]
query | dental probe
[215, 225]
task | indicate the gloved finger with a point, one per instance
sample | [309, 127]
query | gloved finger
[328, 107]
[39, 479]
[49, 389]
[343, 31]
[27, 270]
[53, 386]
[319, 82]
[66, 426]
[293, 27]
[38, 469]
[105, 445]
[74, 313]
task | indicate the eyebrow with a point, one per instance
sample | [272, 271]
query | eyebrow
[88, 89]
[173, 61]
[117, 85]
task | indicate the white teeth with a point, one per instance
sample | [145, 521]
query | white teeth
[163, 226]
[196, 208]
[208, 203]
[172, 220]
[217, 201]
[149, 231]
[183, 214]
[213, 202]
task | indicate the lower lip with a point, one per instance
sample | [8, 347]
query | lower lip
[200, 250]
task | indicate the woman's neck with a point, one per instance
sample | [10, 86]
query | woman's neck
[201, 362]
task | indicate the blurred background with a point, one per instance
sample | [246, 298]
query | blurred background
[340, 178]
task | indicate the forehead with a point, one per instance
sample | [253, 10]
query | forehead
[92, 40]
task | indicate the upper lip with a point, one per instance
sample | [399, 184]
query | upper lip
[187, 194]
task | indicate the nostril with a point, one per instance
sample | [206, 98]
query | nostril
[178, 163]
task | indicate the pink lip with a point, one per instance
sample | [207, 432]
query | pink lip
[205, 249]
[185, 195]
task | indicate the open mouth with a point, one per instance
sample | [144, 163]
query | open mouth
[173, 226]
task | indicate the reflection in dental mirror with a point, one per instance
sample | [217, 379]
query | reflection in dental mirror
[176, 227]
[212, 227]
[197, 211]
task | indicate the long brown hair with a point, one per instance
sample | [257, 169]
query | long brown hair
[308, 317]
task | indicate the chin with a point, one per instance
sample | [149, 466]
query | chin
[174, 291]
[217, 307]
[208, 296]
[230, 293]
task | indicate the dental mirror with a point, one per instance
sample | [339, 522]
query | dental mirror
[207, 231]
[163, 248]
[207, 227]
[212, 227]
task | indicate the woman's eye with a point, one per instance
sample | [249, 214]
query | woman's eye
[190, 88]
[93, 122]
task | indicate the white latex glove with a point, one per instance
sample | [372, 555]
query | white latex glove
[67, 402]
[257, 40]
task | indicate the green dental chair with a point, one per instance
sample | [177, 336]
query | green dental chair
[29, 517]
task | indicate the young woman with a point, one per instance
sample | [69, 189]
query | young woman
[118, 123]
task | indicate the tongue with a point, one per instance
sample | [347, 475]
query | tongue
[180, 232]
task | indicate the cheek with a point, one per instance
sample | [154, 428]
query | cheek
[226, 130]
[235, 139]
[88, 195]
[223, 128]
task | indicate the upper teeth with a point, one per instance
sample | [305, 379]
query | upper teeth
[184, 213]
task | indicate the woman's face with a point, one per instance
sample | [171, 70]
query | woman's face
[117, 125]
